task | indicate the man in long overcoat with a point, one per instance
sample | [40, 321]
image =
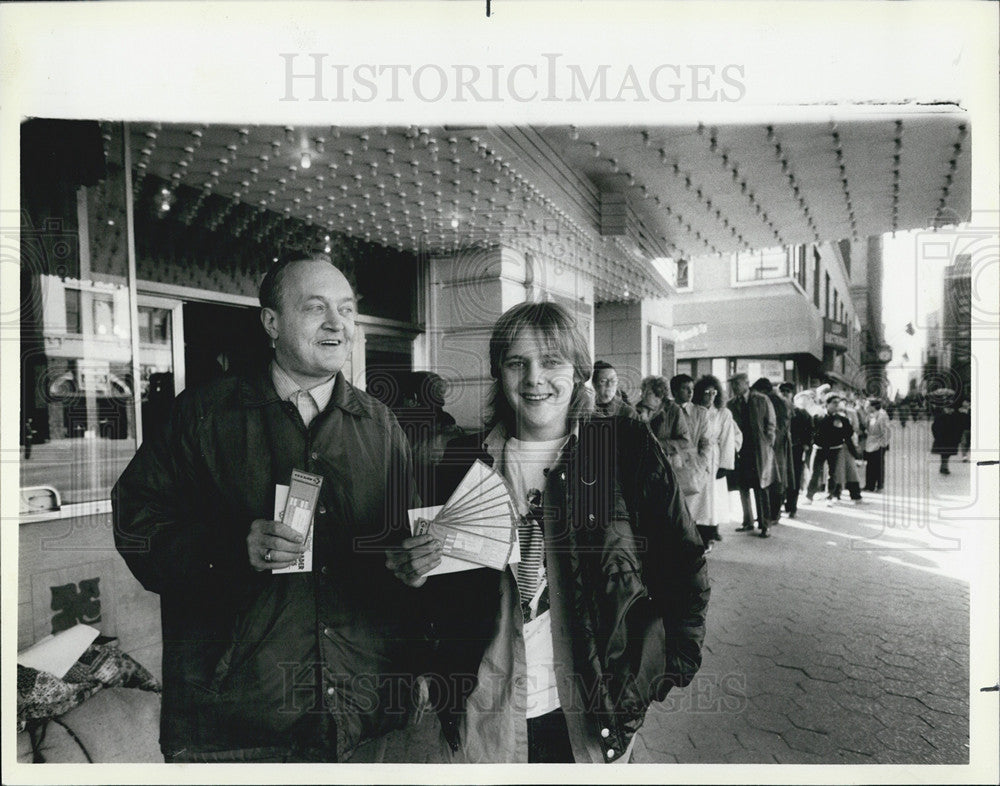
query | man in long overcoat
[754, 414]
[783, 471]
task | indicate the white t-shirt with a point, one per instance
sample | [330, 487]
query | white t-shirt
[524, 467]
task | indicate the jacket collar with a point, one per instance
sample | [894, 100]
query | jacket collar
[258, 391]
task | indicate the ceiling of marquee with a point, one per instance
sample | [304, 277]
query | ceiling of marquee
[681, 191]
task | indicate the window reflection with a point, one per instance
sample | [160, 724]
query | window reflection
[77, 391]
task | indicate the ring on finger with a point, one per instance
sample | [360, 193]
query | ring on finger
[267, 556]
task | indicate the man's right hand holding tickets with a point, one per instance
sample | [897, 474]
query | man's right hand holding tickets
[272, 544]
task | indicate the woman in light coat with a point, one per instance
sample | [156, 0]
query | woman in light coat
[710, 506]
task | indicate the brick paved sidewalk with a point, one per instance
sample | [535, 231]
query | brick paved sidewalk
[842, 639]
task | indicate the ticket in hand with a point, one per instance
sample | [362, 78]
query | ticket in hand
[297, 510]
[476, 526]
[469, 545]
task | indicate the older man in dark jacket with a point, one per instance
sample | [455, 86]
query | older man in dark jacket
[801, 432]
[754, 414]
[262, 666]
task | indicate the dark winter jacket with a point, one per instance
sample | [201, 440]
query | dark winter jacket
[782, 440]
[946, 429]
[627, 583]
[801, 428]
[261, 660]
[834, 431]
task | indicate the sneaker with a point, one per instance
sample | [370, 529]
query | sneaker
[830, 502]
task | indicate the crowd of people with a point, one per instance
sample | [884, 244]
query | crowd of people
[769, 444]
[553, 658]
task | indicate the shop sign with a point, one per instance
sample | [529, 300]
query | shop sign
[835, 333]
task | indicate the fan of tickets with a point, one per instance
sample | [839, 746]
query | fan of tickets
[478, 523]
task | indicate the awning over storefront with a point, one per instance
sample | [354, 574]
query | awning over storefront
[836, 378]
[603, 200]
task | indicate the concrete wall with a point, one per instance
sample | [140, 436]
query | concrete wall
[618, 339]
[776, 320]
[768, 318]
[467, 292]
[627, 336]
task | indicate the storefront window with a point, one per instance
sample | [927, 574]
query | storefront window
[78, 426]
[683, 274]
[769, 263]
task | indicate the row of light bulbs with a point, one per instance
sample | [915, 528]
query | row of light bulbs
[530, 193]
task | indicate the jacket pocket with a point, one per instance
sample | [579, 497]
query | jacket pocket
[634, 656]
[249, 633]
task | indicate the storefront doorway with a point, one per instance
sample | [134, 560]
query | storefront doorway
[222, 339]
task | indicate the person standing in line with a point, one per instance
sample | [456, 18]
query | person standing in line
[834, 448]
[609, 401]
[782, 449]
[755, 417]
[665, 420]
[710, 506]
[965, 421]
[946, 430]
[849, 460]
[694, 476]
[426, 424]
[801, 434]
[876, 446]
[29, 437]
[557, 658]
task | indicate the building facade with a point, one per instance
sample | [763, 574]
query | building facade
[801, 314]
[956, 325]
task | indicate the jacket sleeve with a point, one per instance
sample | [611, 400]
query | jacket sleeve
[161, 525]
[704, 444]
[730, 440]
[674, 566]
[770, 421]
[679, 440]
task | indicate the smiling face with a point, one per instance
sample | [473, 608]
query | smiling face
[538, 384]
[605, 385]
[313, 327]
